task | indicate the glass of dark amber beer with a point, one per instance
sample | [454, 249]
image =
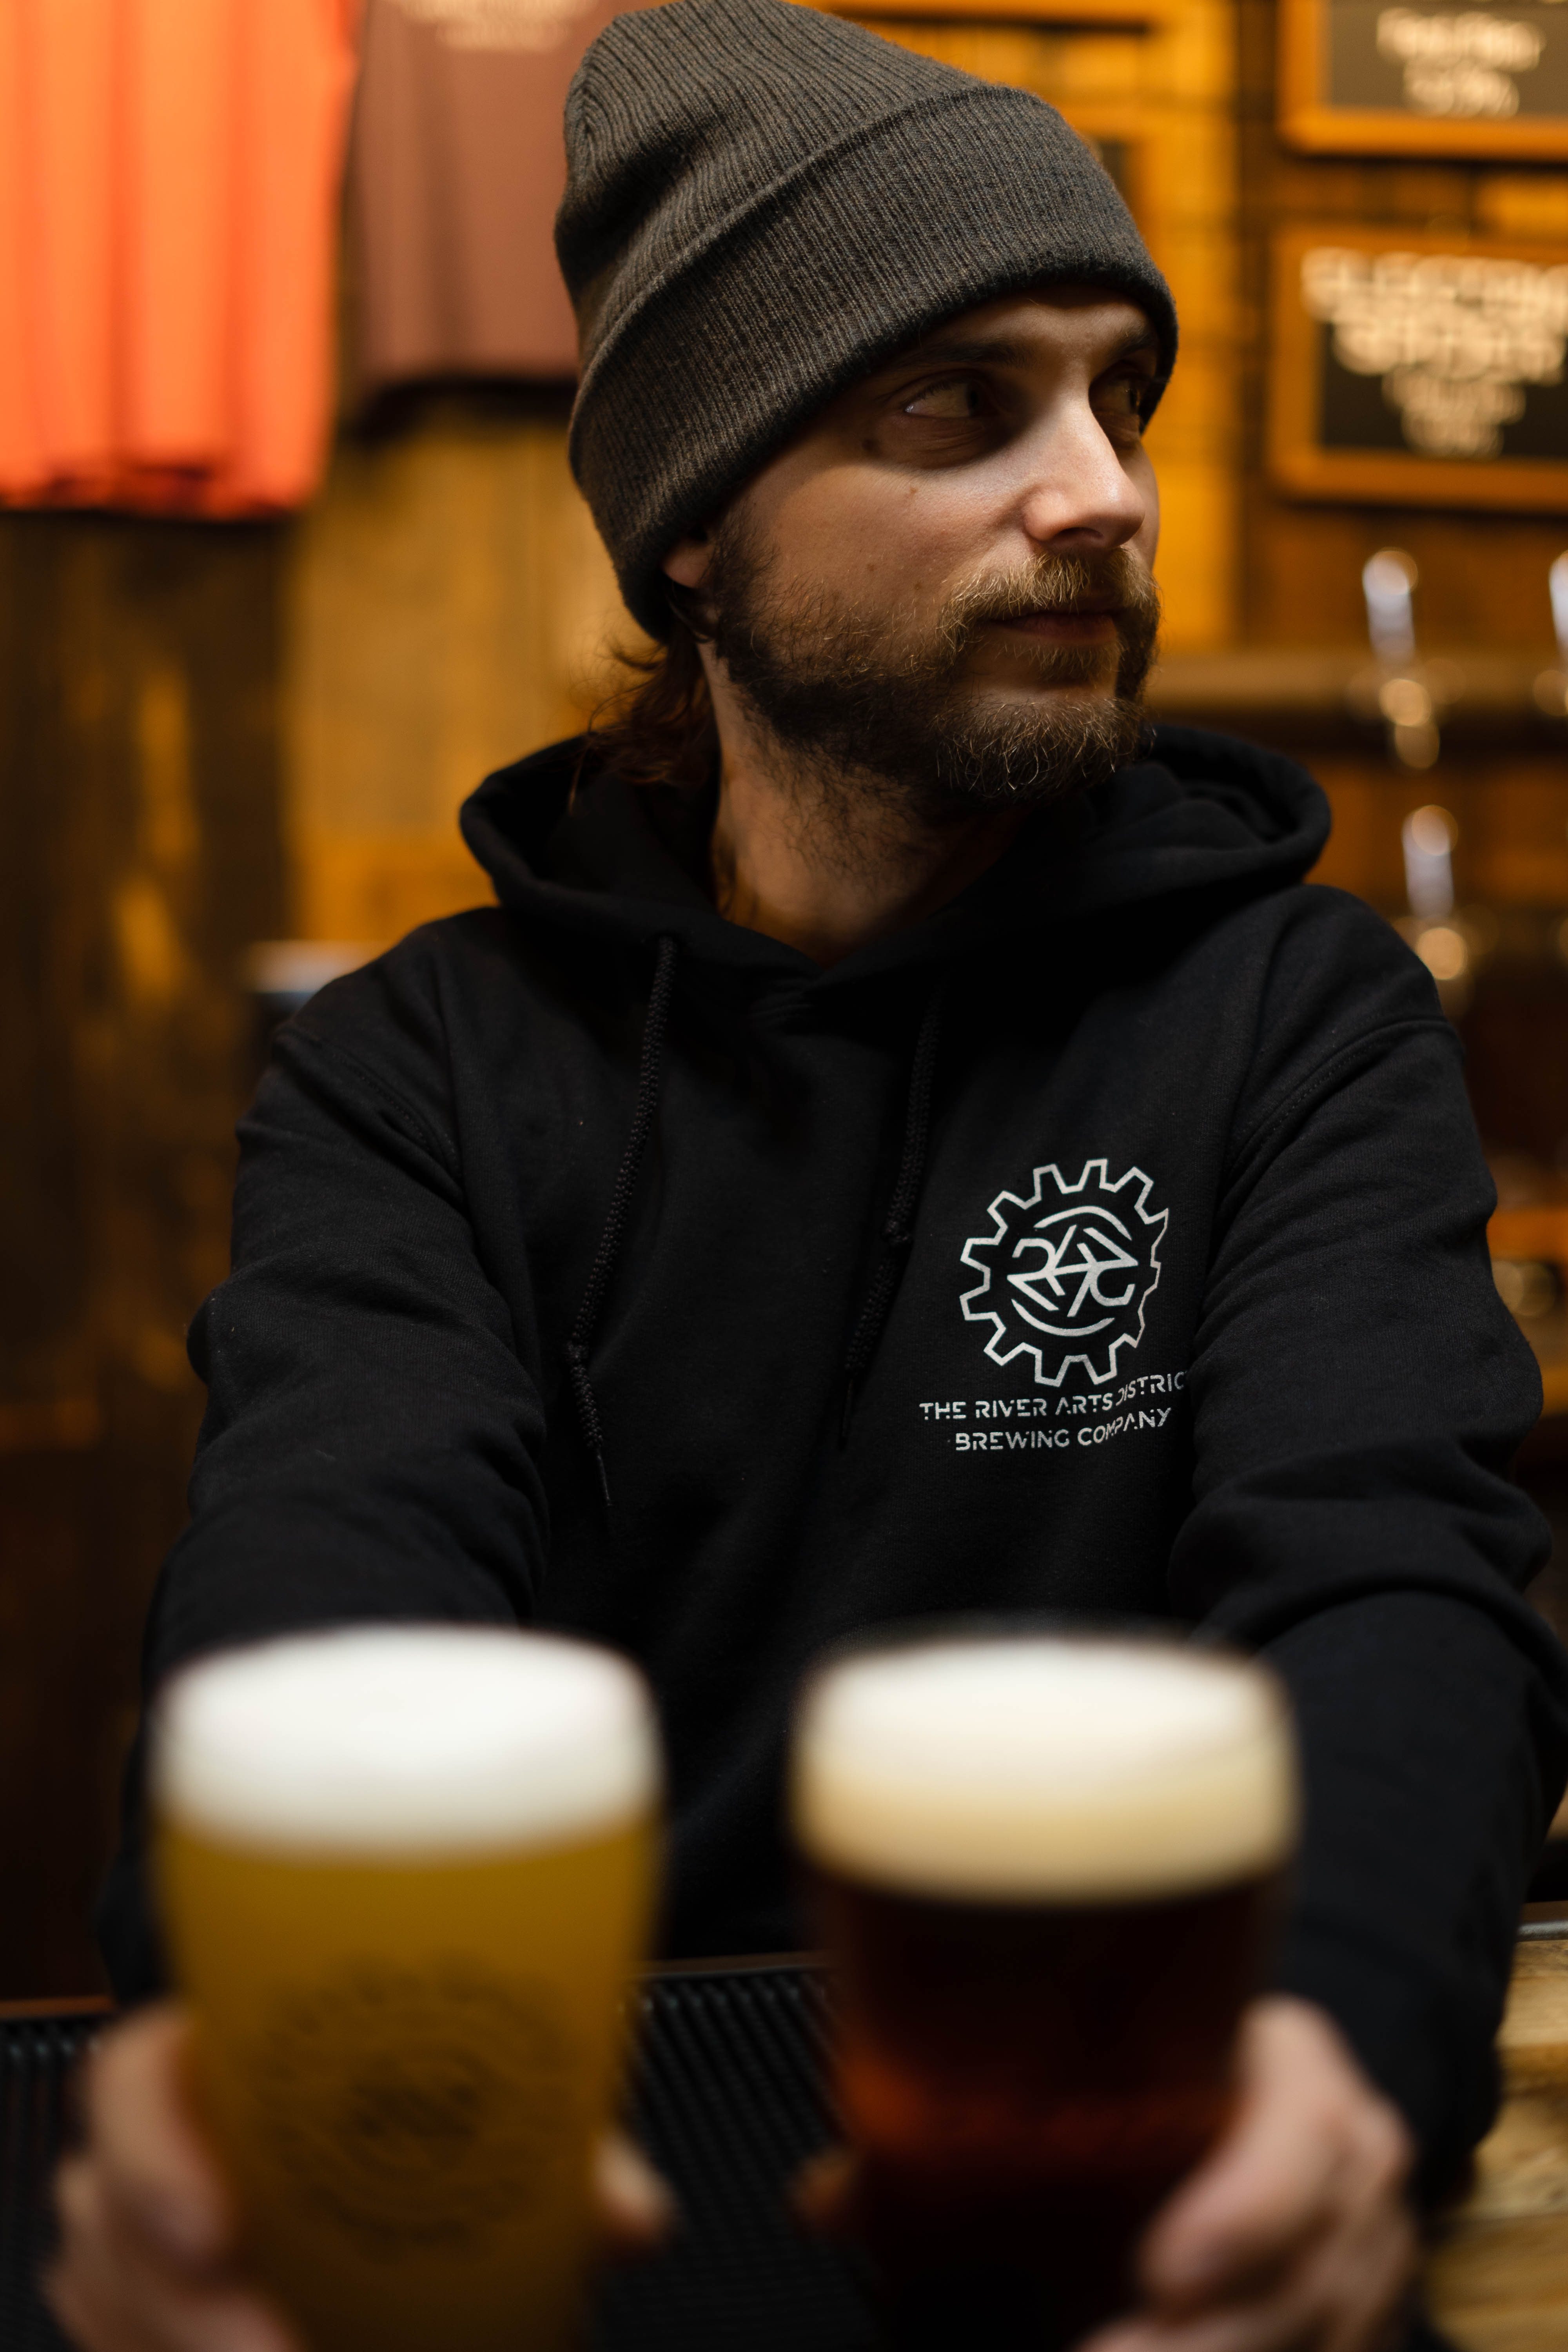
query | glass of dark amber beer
[1047, 1868]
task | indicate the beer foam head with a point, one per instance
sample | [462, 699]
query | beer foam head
[1044, 1768]
[404, 1739]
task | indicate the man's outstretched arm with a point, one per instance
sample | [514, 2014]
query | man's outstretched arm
[1358, 1391]
[372, 1444]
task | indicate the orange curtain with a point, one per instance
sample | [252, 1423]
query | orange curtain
[169, 173]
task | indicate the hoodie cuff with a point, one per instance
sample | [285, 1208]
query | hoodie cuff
[127, 1930]
[1438, 2066]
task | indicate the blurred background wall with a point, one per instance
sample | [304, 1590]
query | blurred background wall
[225, 728]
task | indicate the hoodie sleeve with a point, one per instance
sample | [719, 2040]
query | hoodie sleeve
[1359, 1391]
[372, 1441]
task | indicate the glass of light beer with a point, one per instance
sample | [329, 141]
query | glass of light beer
[1047, 1868]
[405, 1875]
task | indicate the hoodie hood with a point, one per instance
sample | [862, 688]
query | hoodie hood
[1206, 820]
[571, 846]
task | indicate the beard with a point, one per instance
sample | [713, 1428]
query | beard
[882, 706]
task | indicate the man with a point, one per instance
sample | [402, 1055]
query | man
[896, 1146]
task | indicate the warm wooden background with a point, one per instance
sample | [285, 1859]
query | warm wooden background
[210, 735]
[140, 851]
[1496, 2269]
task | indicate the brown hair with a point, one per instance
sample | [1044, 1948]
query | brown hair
[657, 727]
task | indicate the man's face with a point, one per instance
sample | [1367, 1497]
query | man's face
[943, 583]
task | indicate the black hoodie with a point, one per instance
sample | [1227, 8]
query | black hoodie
[1110, 1243]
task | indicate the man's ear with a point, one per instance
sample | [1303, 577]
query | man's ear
[688, 560]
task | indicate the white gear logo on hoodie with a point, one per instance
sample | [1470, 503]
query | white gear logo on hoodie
[1065, 1272]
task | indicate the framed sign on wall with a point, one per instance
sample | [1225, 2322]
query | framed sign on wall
[1382, 77]
[1417, 370]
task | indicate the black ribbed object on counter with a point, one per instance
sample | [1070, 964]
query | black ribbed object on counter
[729, 2103]
[37, 2055]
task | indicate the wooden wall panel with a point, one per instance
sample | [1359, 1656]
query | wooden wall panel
[450, 608]
[140, 854]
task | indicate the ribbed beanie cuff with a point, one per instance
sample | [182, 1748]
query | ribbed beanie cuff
[763, 203]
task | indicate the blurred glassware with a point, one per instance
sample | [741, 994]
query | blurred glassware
[280, 976]
[1450, 945]
[1388, 580]
[1552, 686]
[284, 975]
[1528, 1287]
[1428, 836]
[1409, 695]
[1446, 952]
[1521, 1180]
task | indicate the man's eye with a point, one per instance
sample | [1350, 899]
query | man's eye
[958, 398]
[1124, 397]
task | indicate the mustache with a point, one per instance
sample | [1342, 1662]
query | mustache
[1114, 582]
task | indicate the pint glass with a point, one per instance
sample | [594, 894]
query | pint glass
[1045, 1869]
[405, 1875]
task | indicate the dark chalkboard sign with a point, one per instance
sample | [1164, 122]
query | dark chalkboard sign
[1408, 76]
[1417, 370]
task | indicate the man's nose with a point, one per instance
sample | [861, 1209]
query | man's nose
[1078, 494]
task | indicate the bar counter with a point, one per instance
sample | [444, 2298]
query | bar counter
[1498, 2268]
[729, 2101]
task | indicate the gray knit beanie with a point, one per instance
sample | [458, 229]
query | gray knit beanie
[762, 203]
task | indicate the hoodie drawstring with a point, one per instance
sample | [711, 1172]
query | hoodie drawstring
[649, 1073]
[898, 1226]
